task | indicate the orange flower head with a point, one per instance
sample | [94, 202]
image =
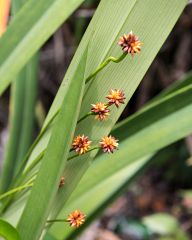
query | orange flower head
[130, 43]
[62, 182]
[81, 144]
[109, 144]
[116, 97]
[100, 110]
[76, 219]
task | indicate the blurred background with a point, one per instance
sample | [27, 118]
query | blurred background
[163, 191]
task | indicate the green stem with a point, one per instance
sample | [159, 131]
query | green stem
[35, 143]
[14, 190]
[38, 139]
[13, 197]
[104, 64]
[101, 66]
[56, 220]
[77, 155]
[31, 166]
[85, 116]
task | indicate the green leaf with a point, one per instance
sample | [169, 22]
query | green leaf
[166, 225]
[143, 18]
[46, 184]
[152, 26]
[149, 131]
[7, 231]
[161, 223]
[152, 21]
[183, 82]
[27, 33]
[21, 115]
[91, 196]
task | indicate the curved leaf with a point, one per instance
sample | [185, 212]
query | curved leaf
[48, 178]
[149, 131]
[27, 33]
[7, 231]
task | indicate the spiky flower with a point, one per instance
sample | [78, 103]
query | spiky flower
[76, 219]
[100, 110]
[62, 182]
[130, 43]
[109, 144]
[116, 97]
[81, 144]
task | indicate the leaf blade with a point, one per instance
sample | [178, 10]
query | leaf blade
[54, 159]
[29, 35]
[143, 141]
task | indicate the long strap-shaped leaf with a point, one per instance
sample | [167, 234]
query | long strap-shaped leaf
[7, 231]
[33, 25]
[152, 21]
[123, 15]
[46, 185]
[21, 115]
[141, 135]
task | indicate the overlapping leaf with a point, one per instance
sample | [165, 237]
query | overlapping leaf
[46, 184]
[152, 21]
[27, 33]
[140, 135]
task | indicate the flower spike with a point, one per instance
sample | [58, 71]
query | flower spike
[100, 110]
[116, 97]
[109, 144]
[76, 219]
[81, 144]
[130, 43]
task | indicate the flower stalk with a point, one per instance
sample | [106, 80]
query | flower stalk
[14, 190]
[104, 64]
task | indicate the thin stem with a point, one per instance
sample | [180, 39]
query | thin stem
[12, 197]
[14, 190]
[34, 163]
[31, 166]
[101, 66]
[57, 220]
[85, 116]
[77, 155]
[104, 64]
[35, 143]
[38, 139]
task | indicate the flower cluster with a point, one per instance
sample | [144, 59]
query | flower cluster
[116, 97]
[130, 43]
[101, 110]
[76, 219]
[109, 144]
[81, 144]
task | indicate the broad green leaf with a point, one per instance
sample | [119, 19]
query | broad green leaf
[93, 197]
[149, 131]
[21, 115]
[46, 184]
[164, 224]
[152, 21]
[183, 82]
[161, 223]
[7, 231]
[27, 33]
